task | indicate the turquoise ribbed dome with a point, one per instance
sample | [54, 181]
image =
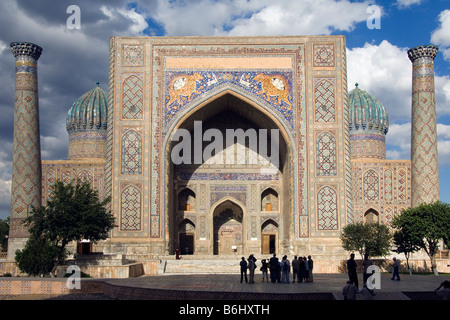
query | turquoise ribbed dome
[367, 112]
[88, 112]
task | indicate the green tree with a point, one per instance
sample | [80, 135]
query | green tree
[406, 245]
[426, 225]
[74, 212]
[4, 232]
[373, 239]
[38, 257]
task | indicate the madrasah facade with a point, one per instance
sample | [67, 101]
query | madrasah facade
[329, 145]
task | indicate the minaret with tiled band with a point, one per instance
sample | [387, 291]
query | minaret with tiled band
[424, 153]
[26, 164]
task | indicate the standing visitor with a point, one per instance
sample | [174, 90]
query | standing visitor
[350, 291]
[366, 264]
[251, 268]
[295, 269]
[351, 269]
[285, 268]
[273, 265]
[306, 270]
[243, 265]
[263, 269]
[310, 266]
[395, 273]
[301, 272]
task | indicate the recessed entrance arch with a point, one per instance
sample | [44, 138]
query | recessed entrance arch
[228, 234]
[233, 186]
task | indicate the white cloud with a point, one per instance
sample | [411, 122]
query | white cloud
[259, 17]
[385, 71]
[407, 3]
[441, 36]
[398, 142]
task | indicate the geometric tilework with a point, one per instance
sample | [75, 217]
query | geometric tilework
[324, 101]
[85, 176]
[401, 188]
[327, 209]
[388, 215]
[326, 155]
[132, 98]
[51, 180]
[388, 181]
[323, 55]
[133, 55]
[130, 219]
[371, 186]
[131, 153]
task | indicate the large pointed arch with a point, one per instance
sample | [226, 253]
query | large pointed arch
[226, 98]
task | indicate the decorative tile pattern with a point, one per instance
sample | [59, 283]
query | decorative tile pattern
[131, 208]
[273, 87]
[324, 98]
[133, 55]
[326, 155]
[85, 176]
[132, 152]
[371, 186]
[219, 192]
[132, 99]
[327, 209]
[388, 185]
[324, 55]
[402, 185]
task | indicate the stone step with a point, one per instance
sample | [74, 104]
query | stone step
[201, 266]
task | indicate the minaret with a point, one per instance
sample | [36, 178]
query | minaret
[424, 153]
[26, 167]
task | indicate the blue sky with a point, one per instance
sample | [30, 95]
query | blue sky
[74, 60]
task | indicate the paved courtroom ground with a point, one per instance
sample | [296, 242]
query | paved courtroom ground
[322, 283]
[421, 285]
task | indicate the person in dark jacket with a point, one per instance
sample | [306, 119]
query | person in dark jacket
[351, 269]
[243, 265]
[274, 268]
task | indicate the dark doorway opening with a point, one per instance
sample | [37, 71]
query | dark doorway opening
[186, 243]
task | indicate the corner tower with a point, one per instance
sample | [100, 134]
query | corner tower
[424, 153]
[26, 168]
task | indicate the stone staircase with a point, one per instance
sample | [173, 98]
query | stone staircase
[198, 265]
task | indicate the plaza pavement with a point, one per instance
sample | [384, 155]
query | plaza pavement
[228, 286]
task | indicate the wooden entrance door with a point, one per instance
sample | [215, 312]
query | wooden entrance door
[268, 243]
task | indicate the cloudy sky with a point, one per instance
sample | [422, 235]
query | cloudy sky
[75, 59]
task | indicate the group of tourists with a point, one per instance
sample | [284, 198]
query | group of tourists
[280, 271]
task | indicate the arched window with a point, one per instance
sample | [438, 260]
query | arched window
[186, 200]
[269, 200]
[371, 216]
